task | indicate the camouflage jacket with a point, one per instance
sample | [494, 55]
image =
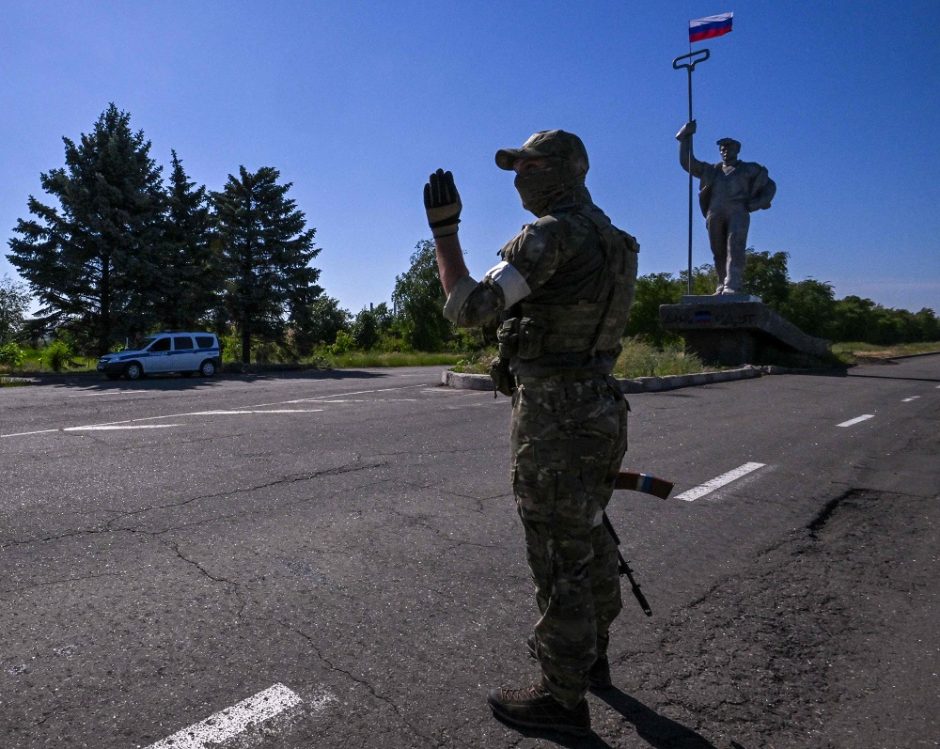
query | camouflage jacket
[567, 280]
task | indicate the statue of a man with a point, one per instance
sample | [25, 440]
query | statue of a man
[728, 192]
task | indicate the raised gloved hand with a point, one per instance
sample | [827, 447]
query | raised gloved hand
[442, 203]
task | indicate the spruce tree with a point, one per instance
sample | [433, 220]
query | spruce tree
[267, 251]
[92, 260]
[191, 282]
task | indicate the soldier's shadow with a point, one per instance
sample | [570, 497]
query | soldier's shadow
[657, 730]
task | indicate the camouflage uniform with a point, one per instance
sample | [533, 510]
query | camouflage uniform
[562, 290]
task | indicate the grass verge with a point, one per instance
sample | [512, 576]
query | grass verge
[638, 359]
[853, 352]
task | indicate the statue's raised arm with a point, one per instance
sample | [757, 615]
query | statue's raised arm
[686, 159]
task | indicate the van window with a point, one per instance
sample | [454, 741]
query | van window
[162, 344]
[182, 343]
[205, 341]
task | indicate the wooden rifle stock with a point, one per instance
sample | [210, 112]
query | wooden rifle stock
[643, 482]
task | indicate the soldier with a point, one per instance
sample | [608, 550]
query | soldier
[728, 193]
[561, 294]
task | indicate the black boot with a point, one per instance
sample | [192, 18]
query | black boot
[534, 707]
[598, 675]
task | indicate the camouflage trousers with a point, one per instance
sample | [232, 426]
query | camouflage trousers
[568, 440]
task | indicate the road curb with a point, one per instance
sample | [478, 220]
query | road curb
[461, 381]
[14, 380]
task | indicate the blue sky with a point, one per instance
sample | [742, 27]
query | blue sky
[355, 103]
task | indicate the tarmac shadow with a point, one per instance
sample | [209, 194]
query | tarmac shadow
[659, 731]
[591, 741]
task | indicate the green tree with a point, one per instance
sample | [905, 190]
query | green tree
[383, 316]
[323, 319]
[704, 280]
[365, 329]
[14, 304]
[191, 280]
[853, 319]
[419, 298]
[811, 307]
[928, 325]
[765, 275]
[91, 260]
[651, 291]
[267, 251]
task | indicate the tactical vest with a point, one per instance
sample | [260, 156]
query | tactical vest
[543, 338]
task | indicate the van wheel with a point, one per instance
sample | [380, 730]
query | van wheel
[133, 371]
[207, 368]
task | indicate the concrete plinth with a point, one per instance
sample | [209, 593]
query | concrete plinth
[737, 329]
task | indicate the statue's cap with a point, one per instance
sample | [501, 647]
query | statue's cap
[552, 144]
[730, 142]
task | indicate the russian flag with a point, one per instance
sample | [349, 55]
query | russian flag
[709, 27]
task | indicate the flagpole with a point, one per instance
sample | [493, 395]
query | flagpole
[694, 58]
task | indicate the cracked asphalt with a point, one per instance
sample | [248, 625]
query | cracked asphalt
[172, 547]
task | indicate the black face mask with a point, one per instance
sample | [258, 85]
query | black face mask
[542, 189]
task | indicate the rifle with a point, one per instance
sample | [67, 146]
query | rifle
[641, 482]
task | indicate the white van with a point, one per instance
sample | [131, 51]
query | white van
[183, 352]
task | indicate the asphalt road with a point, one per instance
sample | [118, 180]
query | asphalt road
[335, 561]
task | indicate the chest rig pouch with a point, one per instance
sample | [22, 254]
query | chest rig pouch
[589, 325]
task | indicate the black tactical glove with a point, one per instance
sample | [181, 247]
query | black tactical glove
[442, 203]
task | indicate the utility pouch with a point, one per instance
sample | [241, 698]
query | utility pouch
[531, 335]
[503, 380]
[507, 335]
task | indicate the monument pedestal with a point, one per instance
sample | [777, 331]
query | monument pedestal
[738, 329]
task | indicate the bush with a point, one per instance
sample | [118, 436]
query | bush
[12, 355]
[57, 355]
[343, 343]
[640, 359]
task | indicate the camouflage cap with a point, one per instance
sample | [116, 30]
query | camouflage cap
[556, 144]
[729, 141]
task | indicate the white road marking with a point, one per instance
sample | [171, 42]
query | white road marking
[908, 400]
[856, 420]
[115, 427]
[726, 478]
[227, 724]
[248, 409]
[106, 392]
[27, 434]
[259, 411]
[354, 400]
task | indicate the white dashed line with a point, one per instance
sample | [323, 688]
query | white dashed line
[716, 483]
[227, 724]
[856, 420]
[908, 400]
